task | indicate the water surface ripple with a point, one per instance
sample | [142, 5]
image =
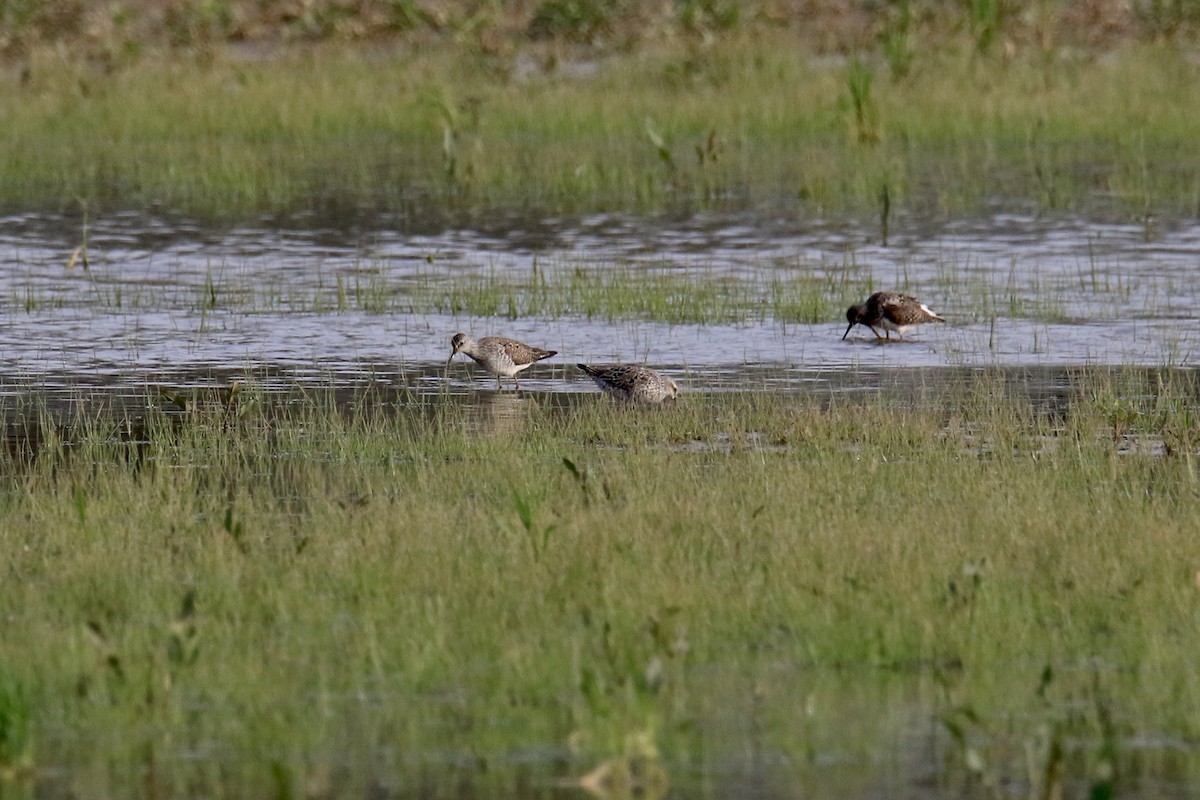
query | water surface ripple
[163, 297]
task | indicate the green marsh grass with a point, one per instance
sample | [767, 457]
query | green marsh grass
[596, 287]
[447, 130]
[661, 292]
[307, 594]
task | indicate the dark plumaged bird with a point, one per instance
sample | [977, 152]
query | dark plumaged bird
[891, 311]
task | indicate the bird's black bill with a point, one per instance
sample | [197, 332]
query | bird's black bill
[847, 333]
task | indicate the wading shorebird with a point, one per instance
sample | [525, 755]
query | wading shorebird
[891, 311]
[633, 383]
[498, 355]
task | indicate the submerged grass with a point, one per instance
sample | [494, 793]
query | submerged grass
[595, 286]
[660, 292]
[747, 120]
[260, 596]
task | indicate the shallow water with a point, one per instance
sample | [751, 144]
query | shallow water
[1019, 292]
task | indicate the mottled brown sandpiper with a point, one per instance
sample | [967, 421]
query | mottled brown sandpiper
[499, 355]
[633, 383]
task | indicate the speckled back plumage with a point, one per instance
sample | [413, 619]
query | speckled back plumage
[633, 383]
[892, 311]
[499, 355]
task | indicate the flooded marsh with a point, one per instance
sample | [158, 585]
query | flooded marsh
[706, 297]
[268, 542]
[927, 587]
[257, 538]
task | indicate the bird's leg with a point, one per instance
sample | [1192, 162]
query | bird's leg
[517, 382]
[499, 386]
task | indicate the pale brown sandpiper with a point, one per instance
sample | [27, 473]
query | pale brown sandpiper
[633, 383]
[498, 355]
[891, 311]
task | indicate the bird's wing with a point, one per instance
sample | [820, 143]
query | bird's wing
[901, 309]
[521, 353]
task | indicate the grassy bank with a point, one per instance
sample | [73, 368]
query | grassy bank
[749, 119]
[305, 600]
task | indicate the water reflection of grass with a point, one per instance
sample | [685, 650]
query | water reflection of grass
[245, 595]
[745, 120]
